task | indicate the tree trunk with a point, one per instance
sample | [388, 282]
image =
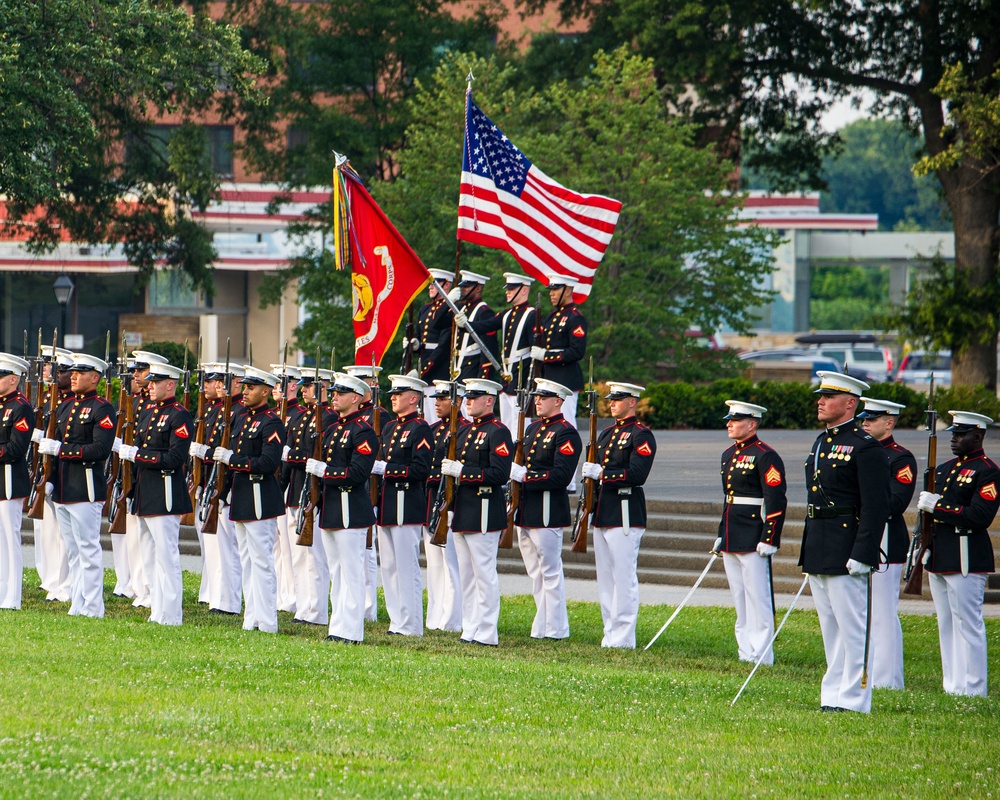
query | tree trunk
[974, 200]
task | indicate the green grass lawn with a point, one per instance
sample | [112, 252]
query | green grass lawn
[123, 708]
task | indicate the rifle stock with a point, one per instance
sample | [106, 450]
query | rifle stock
[36, 507]
[915, 558]
[208, 507]
[507, 537]
[373, 482]
[123, 483]
[307, 510]
[578, 540]
[446, 492]
[33, 459]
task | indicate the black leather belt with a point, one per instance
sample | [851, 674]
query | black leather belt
[827, 512]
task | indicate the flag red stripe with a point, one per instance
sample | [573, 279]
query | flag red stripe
[593, 217]
[596, 201]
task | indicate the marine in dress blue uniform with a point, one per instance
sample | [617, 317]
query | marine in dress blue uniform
[17, 421]
[468, 297]
[158, 498]
[432, 340]
[847, 480]
[552, 450]
[565, 343]
[886, 648]
[753, 480]
[350, 448]
[961, 553]
[84, 436]
[625, 453]
[254, 497]
[482, 468]
[444, 589]
[405, 455]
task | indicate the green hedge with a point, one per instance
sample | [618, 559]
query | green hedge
[793, 405]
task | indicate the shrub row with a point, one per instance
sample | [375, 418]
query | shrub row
[793, 405]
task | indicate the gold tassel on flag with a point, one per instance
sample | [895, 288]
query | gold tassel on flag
[341, 214]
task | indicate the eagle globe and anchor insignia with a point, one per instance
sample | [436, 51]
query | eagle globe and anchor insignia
[363, 295]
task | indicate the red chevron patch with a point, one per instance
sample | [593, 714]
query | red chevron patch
[644, 449]
[106, 423]
[567, 449]
[502, 449]
[183, 432]
[22, 424]
[365, 449]
[905, 475]
[989, 491]
[773, 477]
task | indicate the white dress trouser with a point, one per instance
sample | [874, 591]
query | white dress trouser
[50, 556]
[477, 571]
[444, 588]
[749, 578]
[260, 589]
[80, 527]
[508, 412]
[139, 585]
[204, 589]
[841, 602]
[958, 602]
[371, 579]
[402, 583]
[222, 559]
[161, 558]
[312, 574]
[284, 569]
[347, 557]
[11, 557]
[616, 556]
[541, 551]
[122, 564]
[886, 648]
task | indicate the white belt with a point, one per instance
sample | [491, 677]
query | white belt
[518, 355]
[745, 501]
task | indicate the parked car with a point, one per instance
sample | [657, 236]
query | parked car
[795, 355]
[916, 368]
[860, 353]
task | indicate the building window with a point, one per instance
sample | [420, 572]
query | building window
[169, 290]
[219, 144]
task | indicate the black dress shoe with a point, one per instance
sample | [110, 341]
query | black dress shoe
[483, 644]
[465, 641]
[332, 638]
[297, 621]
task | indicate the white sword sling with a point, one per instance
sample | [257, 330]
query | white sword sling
[345, 512]
[258, 507]
[90, 483]
[963, 554]
[168, 492]
[8, 475]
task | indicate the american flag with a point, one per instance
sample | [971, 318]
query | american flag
[509, 204]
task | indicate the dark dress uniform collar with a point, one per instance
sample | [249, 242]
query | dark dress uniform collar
[407, 417]
[621, 423]
[980, 453]
[750, 440]
[353, 415]
[261, 409]
[549, 420]
[86, 395]
[484, 419]
[169, 401]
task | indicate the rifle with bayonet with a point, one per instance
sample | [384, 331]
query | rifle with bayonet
[113, 464]
[446, 488]
[39, 406]
[36, 505]
[188, 519]
[584, 508]
[194, 468]
[921, 540]
[208, 508]
[309, 498]
[126, 432]
[523, 397]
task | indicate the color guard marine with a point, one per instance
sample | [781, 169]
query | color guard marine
[17, 421]
[565, 343]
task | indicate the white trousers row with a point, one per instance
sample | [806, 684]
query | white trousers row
[616, 554]
[11, 558]
[80, 528]
[958, 601]
[841, 602]
[51, 559]
[541, 551]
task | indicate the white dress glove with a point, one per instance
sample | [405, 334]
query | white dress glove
[37, 434]
[857, 568]
[592, 470]
[198, 450]
[284, 452]
[764, 550]
[455, 295]
[517, 472]
[49, 447]
[50, 488]
[314, 467]
[927, 501]
[117, 444]
[453, 469]
[222, 455]
[127, 452]
[461, 319]
[717, 545]
[538, 353]
[378, 468]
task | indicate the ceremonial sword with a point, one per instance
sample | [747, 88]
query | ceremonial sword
[697, 583]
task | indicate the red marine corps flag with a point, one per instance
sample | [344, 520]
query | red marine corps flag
[386, 275]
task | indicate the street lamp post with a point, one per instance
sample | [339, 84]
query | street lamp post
[63, 287]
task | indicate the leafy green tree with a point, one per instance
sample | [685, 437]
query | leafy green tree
[79, 83]
[767, 69]
[873, 173]
[341, 74]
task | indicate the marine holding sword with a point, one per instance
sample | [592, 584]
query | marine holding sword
[159, 495]
[753, 477]
[847, 480]
[961, 554]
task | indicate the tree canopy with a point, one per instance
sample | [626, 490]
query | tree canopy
[769, 69]
[678, 259]
[80, 83]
